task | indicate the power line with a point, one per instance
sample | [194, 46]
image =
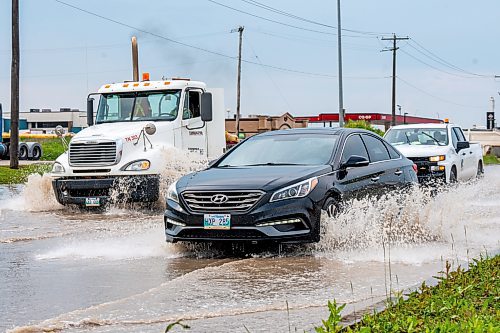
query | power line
[270, 20]
[269, 75]
[442, 61]
[287, 14]
[203, 49]
[436, 68]
[436, 97]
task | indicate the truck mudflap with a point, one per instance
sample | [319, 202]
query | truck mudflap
[98, 192]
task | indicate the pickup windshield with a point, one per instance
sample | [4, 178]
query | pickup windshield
[285, 149]
[138, 106]
[418, 136]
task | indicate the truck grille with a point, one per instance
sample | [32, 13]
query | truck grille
[237, 201]
[92, 153]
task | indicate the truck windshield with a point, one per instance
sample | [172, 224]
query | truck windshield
[286, 149]
[138, 106]
[418, 136]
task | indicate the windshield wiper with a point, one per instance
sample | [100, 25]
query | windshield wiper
[407, 138]
[433, 138]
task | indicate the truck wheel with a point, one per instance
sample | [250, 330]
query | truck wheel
[453, 175]
[37, 153]
[23, 153]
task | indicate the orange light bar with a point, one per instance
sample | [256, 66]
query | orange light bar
[166, 83]
[147, 84]
[107, 86]
[446, 120]
[136, 84]
[125, 85]
[145, 76]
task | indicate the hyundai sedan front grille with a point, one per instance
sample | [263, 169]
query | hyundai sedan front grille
[225, 201]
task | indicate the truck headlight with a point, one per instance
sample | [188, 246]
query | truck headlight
[172, 192]
[58, 168]
[298, 190]
[437, 158]
[140, 165]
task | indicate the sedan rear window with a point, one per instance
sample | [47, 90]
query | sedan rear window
[285, 149]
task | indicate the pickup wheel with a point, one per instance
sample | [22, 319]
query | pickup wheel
[480, 169]
[453, 175]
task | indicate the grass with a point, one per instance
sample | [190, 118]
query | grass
[11, 176]
[51, 148]
[462, 301]
[491, 159]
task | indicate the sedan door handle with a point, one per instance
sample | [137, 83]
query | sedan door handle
[375, 179]
[398, 173]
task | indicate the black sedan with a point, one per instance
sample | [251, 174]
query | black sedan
[273, 186]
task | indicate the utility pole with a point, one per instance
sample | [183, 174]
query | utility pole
[394, 39]
[14, 89]
[339, 46]
[240, 31]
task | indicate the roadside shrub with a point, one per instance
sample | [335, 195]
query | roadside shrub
[364, 125]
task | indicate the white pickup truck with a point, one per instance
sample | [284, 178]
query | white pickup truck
[440, 151]
[128, 146]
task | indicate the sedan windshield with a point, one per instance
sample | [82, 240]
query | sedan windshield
[286, 149]
[418, 136]
[138, 106]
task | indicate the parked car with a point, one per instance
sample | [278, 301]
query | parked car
[440, 151]
[273, 186]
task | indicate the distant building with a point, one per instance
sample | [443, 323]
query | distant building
[256, 124]
[46, 120]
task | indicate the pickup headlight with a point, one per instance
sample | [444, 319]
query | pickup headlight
[298, 190]
[437, 158]
[58, 168]
[172, 192]
[140, 165]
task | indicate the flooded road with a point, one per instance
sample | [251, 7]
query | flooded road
[76, 271]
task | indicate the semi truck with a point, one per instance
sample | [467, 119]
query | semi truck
[26, 150]
[440, 151]
[133, 128]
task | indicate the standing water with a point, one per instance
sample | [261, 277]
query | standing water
[75, 271]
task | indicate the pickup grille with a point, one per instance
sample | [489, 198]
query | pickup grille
[237, 201]
[92, 153]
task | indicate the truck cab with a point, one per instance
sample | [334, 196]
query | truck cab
[440, 151]
[125, 149]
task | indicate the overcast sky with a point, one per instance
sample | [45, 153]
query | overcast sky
[447, 67]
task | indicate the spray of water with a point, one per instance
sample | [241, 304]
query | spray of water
[453, 219]
[38, 194]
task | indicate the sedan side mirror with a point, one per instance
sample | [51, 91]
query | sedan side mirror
[462, 145]
[355, 161]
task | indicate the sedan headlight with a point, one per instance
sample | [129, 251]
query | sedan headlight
[172, 192]
[298, 190]
[140, 165]
[58, 168]
[437, 158]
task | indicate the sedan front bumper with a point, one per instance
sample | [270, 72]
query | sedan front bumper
[182, 225]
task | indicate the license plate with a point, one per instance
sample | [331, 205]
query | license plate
[217, 221]
[92, 202]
